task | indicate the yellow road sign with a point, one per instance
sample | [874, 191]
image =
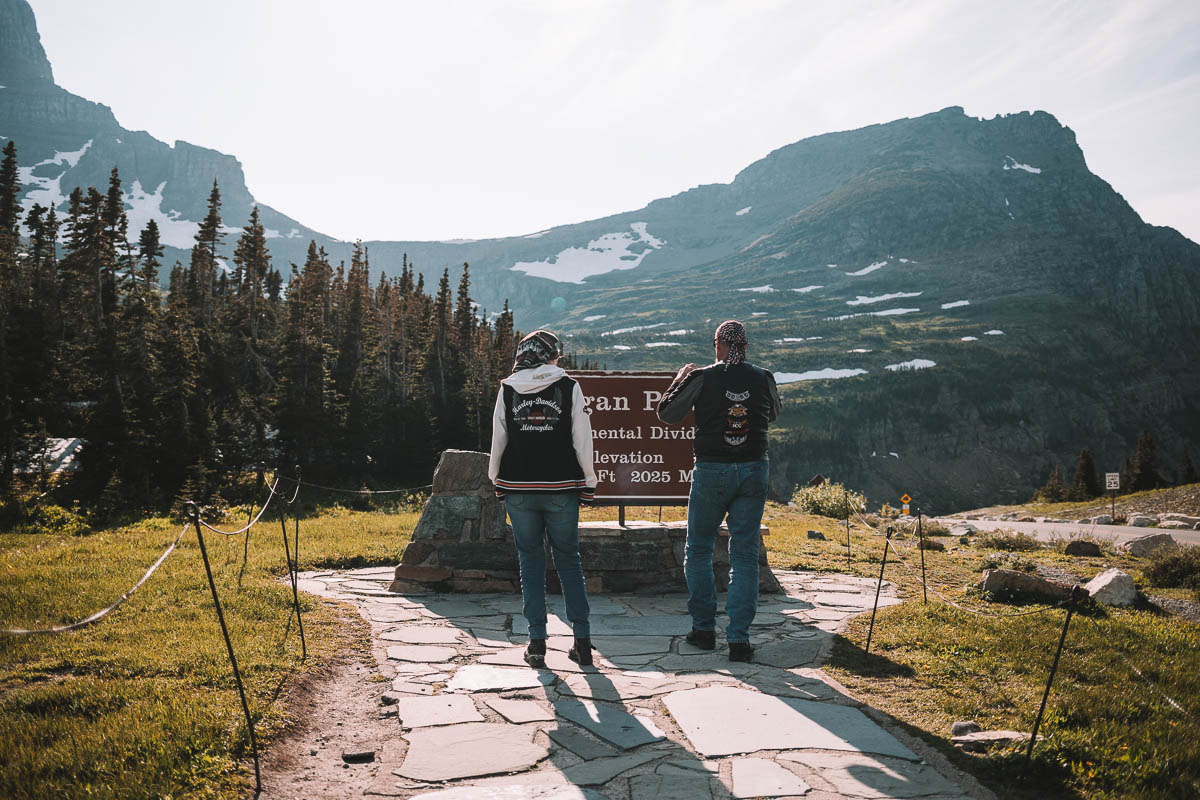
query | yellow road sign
[906, 499]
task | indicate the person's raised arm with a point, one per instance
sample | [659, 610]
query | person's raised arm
[677, 401]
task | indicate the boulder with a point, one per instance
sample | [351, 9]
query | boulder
[1079, 547]
[1174, 525]
[1141, 521]
[1102, 519]
[932, 544]
[1172, 516]
[964, 727]
[1145, 545]
[1009, 583]
[982, 741]
[1113, 588]
[817, 535]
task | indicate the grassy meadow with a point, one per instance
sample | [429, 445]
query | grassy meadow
[142, 703]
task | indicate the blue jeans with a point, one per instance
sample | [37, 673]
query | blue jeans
[738, 490]
[557, 516]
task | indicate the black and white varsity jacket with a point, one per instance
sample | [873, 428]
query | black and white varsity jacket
[541, 435]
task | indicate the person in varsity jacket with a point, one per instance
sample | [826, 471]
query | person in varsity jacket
[734, 402]
[541, 465]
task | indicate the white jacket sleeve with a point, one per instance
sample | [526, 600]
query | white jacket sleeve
[499, 437]
[581, 437]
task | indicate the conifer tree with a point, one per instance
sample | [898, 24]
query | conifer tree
[1144, 473]
[1053, 490]
[1187, 470]
[1086, 484]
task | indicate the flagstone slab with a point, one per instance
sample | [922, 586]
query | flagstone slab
[788, 653]
[380, 573]
[512, 792]
[758, 777]
[422, 634]
[473, 749]
[489, 638]
[391, 614]
[372, 586]
[725, 720]
[421, 654]
[602, 770]
[634, 661]
[861, 775]
[610, 646]
[556, 660]
[404, 686]
[583, 746]
[610, 722]
[518, 711]
[488, 678]
[618, 687]
[669, 787]
[453, 607]
[555, 626]
[598, 605]
[443, 709]
[717, 661]
[679, 766]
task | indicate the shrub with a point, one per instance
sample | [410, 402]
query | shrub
[1008, 540]
[932, 528]
[1175, 566]
[56, 519]
[829, 500]
[1006, 560]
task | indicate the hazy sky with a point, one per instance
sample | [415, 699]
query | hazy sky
[437, 120]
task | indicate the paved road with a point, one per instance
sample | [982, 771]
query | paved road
[1049, 531]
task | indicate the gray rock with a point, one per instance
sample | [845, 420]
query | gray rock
[610, 722]
[603, 770]
[982, 741]
[964, 727]
[1102, 519]
[1113, 588]
[1141, 521]
[758, 777]
[1006, 583]
[442, 709]
[358, 756]
[1079, 547]
[470, 750]
[1175, 517]
[1145, 545]
[724, 720]
[817, 535]
[669, 787]
[1174, 525]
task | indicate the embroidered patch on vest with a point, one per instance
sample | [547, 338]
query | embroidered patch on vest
[737, 423]
[537, 413]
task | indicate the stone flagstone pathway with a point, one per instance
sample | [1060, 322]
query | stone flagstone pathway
[655, 719]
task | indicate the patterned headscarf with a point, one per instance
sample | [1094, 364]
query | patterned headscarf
[536, 349]
[732, 333]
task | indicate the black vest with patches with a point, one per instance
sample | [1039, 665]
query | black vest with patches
[540, 453]
[732, 413]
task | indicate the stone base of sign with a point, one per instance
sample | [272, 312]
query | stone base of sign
[462, 543]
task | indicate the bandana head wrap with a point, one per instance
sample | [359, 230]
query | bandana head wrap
[732, 333]
[536, 349]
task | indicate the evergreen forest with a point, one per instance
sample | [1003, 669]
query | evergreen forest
[179, 386]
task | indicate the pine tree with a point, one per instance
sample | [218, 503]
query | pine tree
[1187, 470]
[1086, 484]
[1053, 490]
[1144, 474]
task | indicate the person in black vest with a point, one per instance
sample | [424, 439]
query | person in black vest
[541, 465]
[734, 402]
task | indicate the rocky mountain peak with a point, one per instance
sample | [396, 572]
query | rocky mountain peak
[22, 57]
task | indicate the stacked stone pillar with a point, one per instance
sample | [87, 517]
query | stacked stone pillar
[463, 543]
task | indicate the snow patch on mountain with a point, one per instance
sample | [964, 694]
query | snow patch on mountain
[916, 363]
[867, 270]
[970, 339]
[611, 252]
[594, 317]
[742, 212]
[829, 373]
[863, 301]
[807, 289]
[633, 328]
[993, 332]
[1012, 163]
[145, 206]
[888, 312]
[758, 289]
[791, 339]
[956, 304]
[663, 344]
[47, 191]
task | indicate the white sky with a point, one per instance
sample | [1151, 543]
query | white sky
[435, 120]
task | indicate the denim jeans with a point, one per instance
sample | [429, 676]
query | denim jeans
[557, 516]
[738, 490]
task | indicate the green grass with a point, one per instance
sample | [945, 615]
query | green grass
[143, 703]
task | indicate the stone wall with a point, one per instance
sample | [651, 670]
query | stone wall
[463, 543]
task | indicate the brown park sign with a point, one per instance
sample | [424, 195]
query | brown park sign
[639, 459]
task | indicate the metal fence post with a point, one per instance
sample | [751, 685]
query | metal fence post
[194, 513]
[1077, 593]
[921, 536]
[882, 567]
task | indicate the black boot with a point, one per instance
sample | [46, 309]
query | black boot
[581, 653]
[705, 640]
[740, 651]
[535, 653]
